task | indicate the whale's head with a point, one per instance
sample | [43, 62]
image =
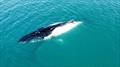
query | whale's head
[73, 22]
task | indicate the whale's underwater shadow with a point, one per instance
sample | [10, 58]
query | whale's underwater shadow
[29, 51]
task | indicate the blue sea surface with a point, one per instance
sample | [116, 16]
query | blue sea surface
[94, 43]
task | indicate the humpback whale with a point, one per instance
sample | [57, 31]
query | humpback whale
[50, 31]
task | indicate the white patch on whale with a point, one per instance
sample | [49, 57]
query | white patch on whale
[63, 29]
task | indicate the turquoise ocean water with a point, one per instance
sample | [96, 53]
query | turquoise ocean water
[95, 43]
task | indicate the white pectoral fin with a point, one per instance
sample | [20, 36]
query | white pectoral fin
[60, 40]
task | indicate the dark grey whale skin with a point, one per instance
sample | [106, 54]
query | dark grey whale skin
[40, 33]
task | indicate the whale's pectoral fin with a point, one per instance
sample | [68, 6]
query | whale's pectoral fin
[60, 40]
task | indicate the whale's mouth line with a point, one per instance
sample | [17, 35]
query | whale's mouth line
[50, 31]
